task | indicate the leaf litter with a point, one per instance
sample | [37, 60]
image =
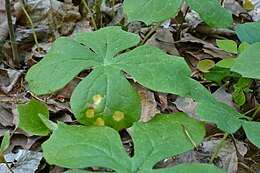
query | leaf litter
[195, 44]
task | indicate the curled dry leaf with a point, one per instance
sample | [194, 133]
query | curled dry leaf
[163, 40]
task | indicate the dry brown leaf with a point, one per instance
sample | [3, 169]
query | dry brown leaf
[6, 117]
[8, 78]
[234, 7]
[228, 159]
[163, 40]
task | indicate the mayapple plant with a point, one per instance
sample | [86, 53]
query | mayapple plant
[105, 102]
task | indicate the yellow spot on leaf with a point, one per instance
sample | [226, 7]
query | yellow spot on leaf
[90, 113]
[97, 99]
[99, 122]
[118, 116]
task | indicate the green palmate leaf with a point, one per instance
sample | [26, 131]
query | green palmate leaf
[226, 118]
[29, 120]
[248, 32]
[5, 141]
[163, 137]
[247, 63]
[106, 100]
[212, 13]
[149, 11]
[155, 140]
[166, 74]
[205, 65]
[105, 97]
[82, 146]
[227, 45]
[184, 168]
[209, 109]
[252, 130]
[63, 62]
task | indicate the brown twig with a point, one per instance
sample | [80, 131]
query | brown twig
[16, 58]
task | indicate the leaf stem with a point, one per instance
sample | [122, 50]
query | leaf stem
[10, 169]
[31, 22]
[256, 111]
[113, 8]
[90, 13]
[150, 33]
[218, 148]
[16, 57]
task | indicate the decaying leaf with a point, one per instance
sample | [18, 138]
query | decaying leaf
[23, 161]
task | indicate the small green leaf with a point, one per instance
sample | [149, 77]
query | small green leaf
[240, 88]
[226, 63]
[5, 141]
[151, 11]
[48, 123]
[217, 74]
[154, 141]
[212, 13]
[247, 63]
[252, 130]
[243, 46]
[242, 83]
[239, 97]
[248, 32]
[205, 65]
[227, 45]
[248, 5]
[29, 120]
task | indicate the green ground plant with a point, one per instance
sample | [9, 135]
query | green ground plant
[105, 102]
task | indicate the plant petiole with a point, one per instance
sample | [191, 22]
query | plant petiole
[218, 148]
[150, 33]
[90, 13]
[31, 22]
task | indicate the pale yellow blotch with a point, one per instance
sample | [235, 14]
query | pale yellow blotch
[99, 122]
[118, 115]
[90, 113]
[97, 99]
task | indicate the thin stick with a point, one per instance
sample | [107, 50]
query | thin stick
[90, 13]
[31, 22]
[16, 57]
[188, 135]
[4, 161]
[150, 33]
[113, 8]
[218, 148]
